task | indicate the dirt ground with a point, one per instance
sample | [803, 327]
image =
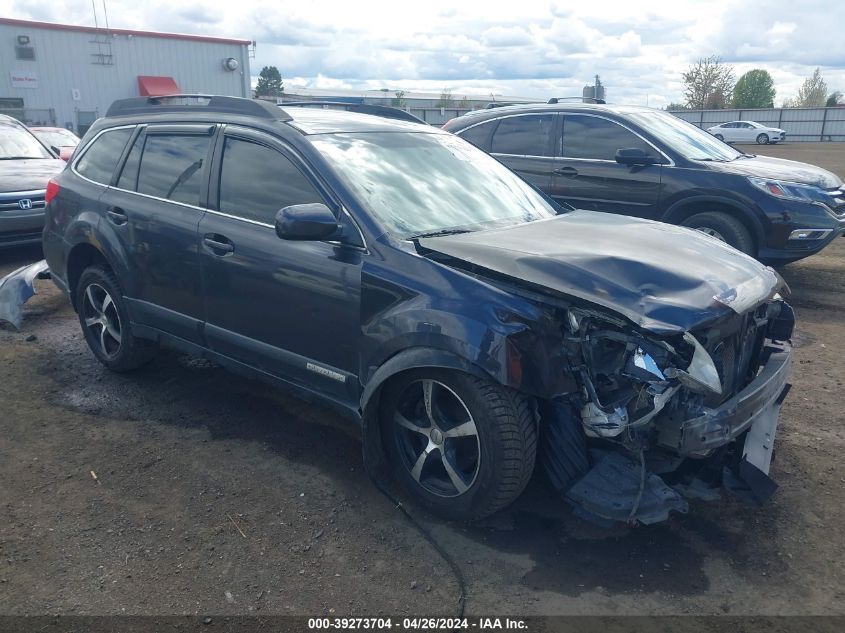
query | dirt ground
[217, 495]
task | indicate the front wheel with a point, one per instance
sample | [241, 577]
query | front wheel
[763, 139]
[720, 137]
[463, 446]
[105, 322]
[723, 227]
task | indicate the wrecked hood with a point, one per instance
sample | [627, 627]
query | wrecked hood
[664, 278]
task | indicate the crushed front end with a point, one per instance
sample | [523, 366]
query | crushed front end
[666, 417]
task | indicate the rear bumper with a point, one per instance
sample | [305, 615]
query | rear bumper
[759, 403]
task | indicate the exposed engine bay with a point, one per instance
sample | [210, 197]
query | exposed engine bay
[653, 407]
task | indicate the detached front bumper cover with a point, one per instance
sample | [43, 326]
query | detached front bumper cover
[16, 288]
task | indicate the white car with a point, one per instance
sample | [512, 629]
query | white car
[747, 132]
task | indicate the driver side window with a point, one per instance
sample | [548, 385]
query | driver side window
[256, 181]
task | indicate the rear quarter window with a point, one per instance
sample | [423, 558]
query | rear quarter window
[100, 159]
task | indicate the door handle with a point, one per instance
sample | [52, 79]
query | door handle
[218, 244]
[565, 171]
[116, 215]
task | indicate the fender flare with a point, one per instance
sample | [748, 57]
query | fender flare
[417, 358]
[671, 213]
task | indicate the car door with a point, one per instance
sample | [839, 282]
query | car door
[587, 176]
[524, 143]
[745, 132]
[153, 210]
[288, 308]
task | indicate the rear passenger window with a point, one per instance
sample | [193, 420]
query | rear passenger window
[99, 160]
[528, 135]
[598, 139]
[479, 135]
[173, 166]
[256, 181]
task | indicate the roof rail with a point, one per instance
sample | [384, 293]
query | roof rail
[505, 104]
[388, 112]
[581, 99]
[195, 103]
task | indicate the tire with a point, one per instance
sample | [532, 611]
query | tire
[105, 322]
[762, 139]
[723, 227]
[489, 469]
[563, 447]
[720, 137]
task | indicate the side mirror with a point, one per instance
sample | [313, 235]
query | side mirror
[65, 153]
[306, 222]
[636, 156]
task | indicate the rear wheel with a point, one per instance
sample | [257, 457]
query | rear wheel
[762, 139]
[105, 322]
[464, 447]
[724, 228]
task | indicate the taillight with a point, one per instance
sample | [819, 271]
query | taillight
[52, 191]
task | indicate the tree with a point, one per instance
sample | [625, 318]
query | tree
[399, 100]
[813, 92]
[446, 99]
[755, 89]
[270, 83]
[463, 104]
[834, 99]
[675, 106]
[708, 83]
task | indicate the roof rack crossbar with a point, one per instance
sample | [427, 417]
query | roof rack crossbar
[388, 112]
[197, 102]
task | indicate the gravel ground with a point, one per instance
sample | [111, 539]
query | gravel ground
[217, 495]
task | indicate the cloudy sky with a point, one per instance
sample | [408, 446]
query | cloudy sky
[517, 48]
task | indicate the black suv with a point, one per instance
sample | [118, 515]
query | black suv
[650, 164]
[413, 282]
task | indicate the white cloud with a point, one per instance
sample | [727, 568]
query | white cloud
[531, 48]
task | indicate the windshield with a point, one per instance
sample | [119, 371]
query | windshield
[57, 138]
[17, 142]
[686, 139]
[419, 184]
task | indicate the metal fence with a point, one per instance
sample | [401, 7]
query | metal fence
[32, 116]
[437, 116]
[801, 124]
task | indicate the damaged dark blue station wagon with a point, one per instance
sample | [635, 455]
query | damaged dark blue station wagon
[394, 271]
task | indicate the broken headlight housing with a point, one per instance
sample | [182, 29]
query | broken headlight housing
[628, 378]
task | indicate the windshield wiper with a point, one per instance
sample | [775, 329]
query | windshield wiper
[440, 233]
[22, 157]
